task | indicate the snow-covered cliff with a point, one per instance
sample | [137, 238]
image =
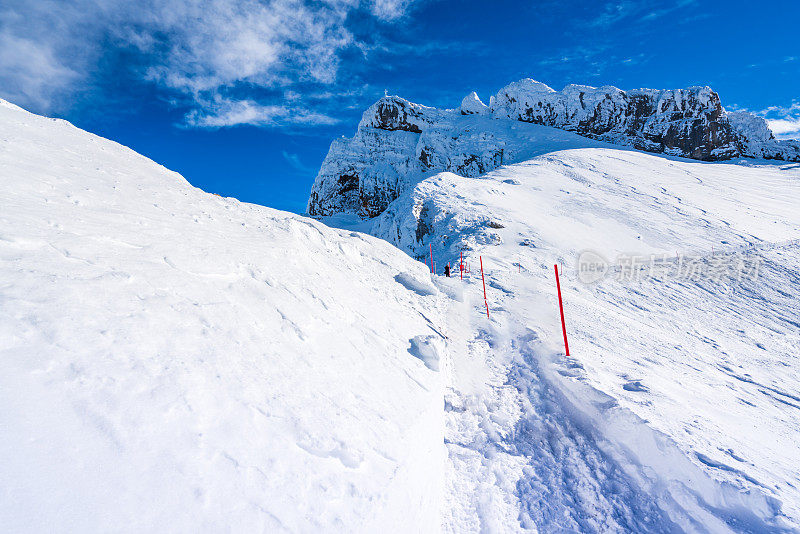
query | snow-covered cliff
[398, 142]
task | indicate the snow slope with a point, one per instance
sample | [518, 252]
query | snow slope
[174, 361]
[679, 408]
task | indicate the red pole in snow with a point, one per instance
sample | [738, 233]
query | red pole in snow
[461, 265]
[430, 247]
[484, 288]
[561, 309]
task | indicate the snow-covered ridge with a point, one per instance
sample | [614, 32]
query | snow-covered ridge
[398, 142]
[175, 361]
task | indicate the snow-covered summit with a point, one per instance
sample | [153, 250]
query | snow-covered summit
[395, 113]
[399, 142]
[471, 104]
[527, 86]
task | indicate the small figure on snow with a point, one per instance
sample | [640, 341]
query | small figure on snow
[447, 270]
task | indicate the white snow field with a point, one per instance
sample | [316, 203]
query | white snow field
[174, 361]
[679, 408]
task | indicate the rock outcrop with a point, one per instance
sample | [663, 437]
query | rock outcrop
[398, 142]
[682, 122]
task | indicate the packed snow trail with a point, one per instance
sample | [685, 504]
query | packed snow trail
[173, 361]
[680, 391]
[520, 461]
[528, 452]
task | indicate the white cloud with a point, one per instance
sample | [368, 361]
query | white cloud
[232, 41]
[785, 128]
[221, 113]
[230, 113]
[215, 56]
[41, 61]
[389, 9]
[610, 13]
[37, 76]
[296, 164]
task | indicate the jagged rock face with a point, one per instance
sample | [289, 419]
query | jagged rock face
[399, 142]
[363, 174]
[682, 122]
[394, 113]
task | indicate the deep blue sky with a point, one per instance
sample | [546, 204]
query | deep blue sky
[243, 97]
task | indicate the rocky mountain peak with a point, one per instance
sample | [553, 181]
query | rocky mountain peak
[472, 105]
[398, 141]
[395, 113]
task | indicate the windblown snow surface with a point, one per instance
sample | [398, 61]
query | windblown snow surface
[679, 408]
[173, 361]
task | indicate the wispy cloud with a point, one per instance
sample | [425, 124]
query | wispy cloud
[222, 113]
[600, 29]
[613, 13]
[667, 10]
[389, 9]
[297, 165]
[637, 11]
[209, 54]
[38, 77]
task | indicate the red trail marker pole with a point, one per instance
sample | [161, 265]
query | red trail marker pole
[484, 288]
[461, 266]
[561, 309]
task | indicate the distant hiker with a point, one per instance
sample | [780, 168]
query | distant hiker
[447, 270]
